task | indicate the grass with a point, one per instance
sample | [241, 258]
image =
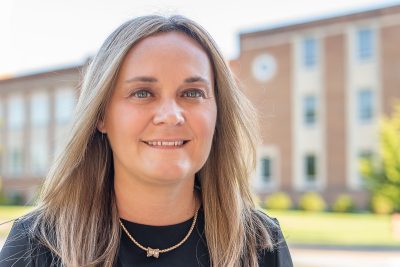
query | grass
[8, 213]
[325, 228]
[299, 227]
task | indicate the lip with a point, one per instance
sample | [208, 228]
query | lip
[166, 139]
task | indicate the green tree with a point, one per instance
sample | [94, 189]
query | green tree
[382, 172]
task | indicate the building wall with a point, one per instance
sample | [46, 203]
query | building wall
[390, 62]
[335, 78]
[269, 97]
[34, 110]
[339, 137]
[308, 139]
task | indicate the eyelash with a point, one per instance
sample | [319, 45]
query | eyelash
[141, 91]
[195, 93]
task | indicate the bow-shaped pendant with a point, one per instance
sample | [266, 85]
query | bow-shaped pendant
[153, 252]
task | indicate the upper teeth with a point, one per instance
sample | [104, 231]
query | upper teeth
[165, 143]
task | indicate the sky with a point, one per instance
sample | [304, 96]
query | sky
[40, 35]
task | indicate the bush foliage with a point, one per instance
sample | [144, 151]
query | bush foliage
[312, 201]
[381, 204]
[278, 201]
[343, 203]
[382, 172]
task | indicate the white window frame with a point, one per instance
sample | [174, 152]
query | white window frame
[360, 44]
[306, 181]
[272, 153]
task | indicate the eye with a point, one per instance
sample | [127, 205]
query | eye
[142, 93]
[194, 93]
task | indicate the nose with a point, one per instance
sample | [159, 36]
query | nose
[169, 112]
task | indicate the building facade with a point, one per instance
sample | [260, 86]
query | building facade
[320, 88]
[35, 112]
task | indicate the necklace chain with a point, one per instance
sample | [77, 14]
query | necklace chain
[155, 252]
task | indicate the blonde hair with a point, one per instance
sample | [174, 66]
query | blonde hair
[77, 217]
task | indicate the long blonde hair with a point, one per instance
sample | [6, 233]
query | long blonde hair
[77, 217]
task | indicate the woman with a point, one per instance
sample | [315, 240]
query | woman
[155, 172]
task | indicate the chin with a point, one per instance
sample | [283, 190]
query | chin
[166, 180]
[170, 175]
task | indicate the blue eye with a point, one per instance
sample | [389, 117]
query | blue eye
[194, 93]
[141, 94]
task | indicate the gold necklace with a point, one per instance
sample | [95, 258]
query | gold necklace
[155, 252]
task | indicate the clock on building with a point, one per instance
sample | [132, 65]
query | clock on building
[263, 67]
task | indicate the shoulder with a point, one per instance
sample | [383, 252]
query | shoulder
[279, 255]
[21, 248]
[271, 224]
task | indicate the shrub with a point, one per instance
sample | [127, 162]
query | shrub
[381, 204]
[344, 203]
[312, 202]
[3, 199]
[278, 201]
[15, 199]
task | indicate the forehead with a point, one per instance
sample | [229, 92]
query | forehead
[167, 52]
[166, 41]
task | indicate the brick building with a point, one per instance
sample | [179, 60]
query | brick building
[320, 87]
[35, 111]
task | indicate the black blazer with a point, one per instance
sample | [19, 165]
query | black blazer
[21, 250]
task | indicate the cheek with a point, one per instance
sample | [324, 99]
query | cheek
[205, 123]
[124, 120]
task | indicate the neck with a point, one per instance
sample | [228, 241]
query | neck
[156, 205]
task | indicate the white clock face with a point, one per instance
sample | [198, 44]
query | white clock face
[263, 67]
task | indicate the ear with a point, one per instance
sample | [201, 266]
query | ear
[101, 126]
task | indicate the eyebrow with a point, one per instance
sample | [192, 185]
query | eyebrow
[147, 79]
[195, 79]
[150, 79]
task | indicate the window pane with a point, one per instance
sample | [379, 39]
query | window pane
[65, 103]
[364, 41]
[364, 155]
[15, 161]
[365, 105]
[266, 169]
[40, 109]
[39, 151]
[309, 52]
[15, 112]
[310, 167]
[309, 110]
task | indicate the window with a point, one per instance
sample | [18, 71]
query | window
[309, 52]
[15, 161]
[266, 172]
[16, 112]
[310, 167]
[363, 155]
[39, 110]
[65, 103]
[39, 155]
[365, 105]
[310, 110]
[364, 44]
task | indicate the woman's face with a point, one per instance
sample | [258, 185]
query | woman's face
[161, 117]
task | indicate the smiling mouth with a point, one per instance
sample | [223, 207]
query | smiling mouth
[166, 144]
